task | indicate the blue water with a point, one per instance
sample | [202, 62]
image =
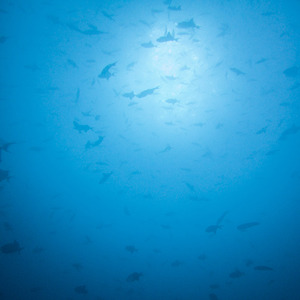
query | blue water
[150, 150]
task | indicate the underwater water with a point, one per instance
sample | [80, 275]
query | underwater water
[150, 149]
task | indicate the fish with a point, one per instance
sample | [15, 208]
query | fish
[146, 92]
[176, 263]
[202, 257]
[248, 262]
[291, 72]
[168, 148]
[187, 24]
[81, 289]
[289, 131]
[237, 71]
[190, 187]
[72, 63]
[172, 101]
[3, 39]
[129, 95]
[90, 144]
[77, 95]
[212, 228]
[92, 29]
[7, 226]
[236, 274]
[262, 60]
[213, 297]
[214, 286]
[11, 248]
[263, 130]
[4, 175]
[80, 127]
[105, 177]
[245, 226]
[77, 266]
[131, 249]
[167, 37]
[108, 16]
[105, 73]
[5, 146]
[220, 219]
[135, 276]
[148, 45]
[174, 8]
[263, 268]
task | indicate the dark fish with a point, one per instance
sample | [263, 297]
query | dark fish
[81, 289]
[129, 95]
[248, 262]
[172, 101]
[174, 8]
[190, 187]
[7, 226]
[32, 67]
[148, 45]
[236, 274]
[80, 128]
[107, 15]
[167, 37]
[202, 257]
[3, 39]
[187, 24]
[4, 175]
[168, 148]
[77, 266]
[213, 297]
[92, 29]
[90, 144]
[263, 268]
[11, 248]
[290, 131]
[213, 228]
[261, 61]
[220, 219]
[105, 73]
[146, 92]
[291, 72]
[245, 226]
[77, 95]
[135, 276]
[200, 124]
[214, 286]
[263, 130]
[72, 63]
[176, 263]
[5, 146]
[105, 177]
[131, 249]
[237, 71]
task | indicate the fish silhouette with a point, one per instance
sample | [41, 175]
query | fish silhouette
[105, 73]
[11, 248]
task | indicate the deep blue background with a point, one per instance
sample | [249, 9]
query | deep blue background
[119, 151]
